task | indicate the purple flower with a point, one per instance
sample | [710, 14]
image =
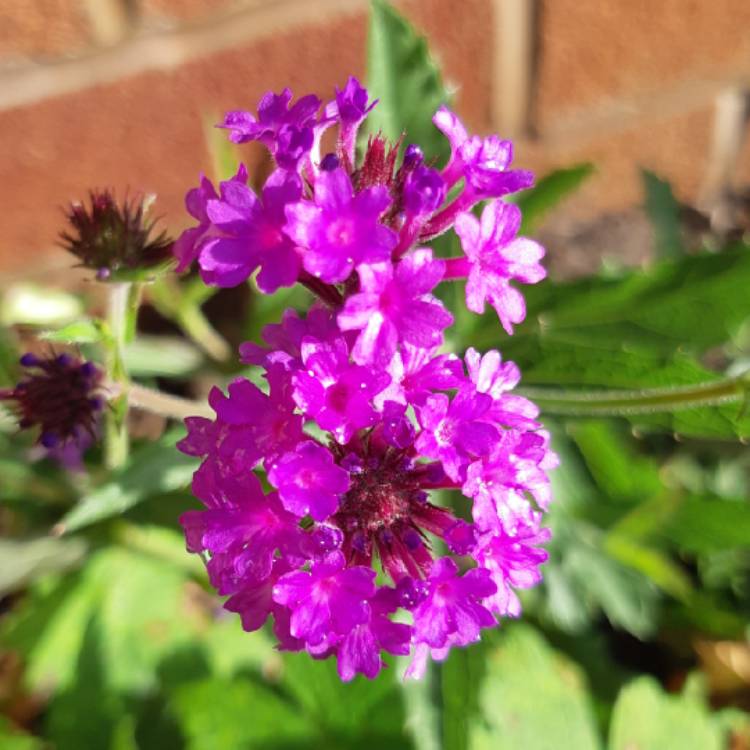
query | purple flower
[490, 375]
[337, 394]
[452, 612]
[395, 305]
[359, 651]
[251, 235]
[328, 601]
[496, 256]
[188, 245]
[400, 418]
[483, 162]
[452, 431]
[242, 534]
[499, 482]
[513, 563]
[308, 481]
[340, 229]
[287, 132]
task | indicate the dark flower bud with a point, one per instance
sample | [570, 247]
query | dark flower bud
[61, 395]
[109, 237]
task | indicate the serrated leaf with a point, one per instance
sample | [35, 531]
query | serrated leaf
[700, 524]
[239, 714]
[152, 469]
[548, 192]
[369, 713]
[84, 331]
[405, 79]
[647, 719]
[532, 698]
[664, 212]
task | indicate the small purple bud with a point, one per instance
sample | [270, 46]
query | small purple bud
[97, 404]
[330, 162]
[326, 539]
[411, 592]
[359, 542]
[64, 360]
[103, 274]
[352, 463]
[29, 360]
[88, 370]
[413, 156]
[49, 439]
[412, 539]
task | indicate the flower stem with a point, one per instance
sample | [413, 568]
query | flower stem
[122, 311]
[612, 403]
[326, 292]
[165, 404]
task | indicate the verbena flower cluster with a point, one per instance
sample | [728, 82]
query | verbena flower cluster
[367, 428]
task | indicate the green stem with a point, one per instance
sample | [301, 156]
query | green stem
[167, 405]
[614, 403]
[122, 310]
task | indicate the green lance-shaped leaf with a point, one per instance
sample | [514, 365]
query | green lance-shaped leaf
[548, 192]
[664, 212]
[402, 75]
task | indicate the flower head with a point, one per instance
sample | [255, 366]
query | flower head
[363, 416]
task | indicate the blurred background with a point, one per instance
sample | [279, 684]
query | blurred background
[120, 92]
[634, 115]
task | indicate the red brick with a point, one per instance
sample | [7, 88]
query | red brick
[42, 29]
[460, 35]
[593, 51]
[188, 11]
[675, 147]
[146, 133]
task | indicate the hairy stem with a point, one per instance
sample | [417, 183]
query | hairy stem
[645, 401]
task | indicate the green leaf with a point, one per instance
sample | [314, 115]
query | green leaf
[532, 698]
[548, 192]
[405, 79]
[22, 561]
[700, 524]
[618, 470]
[368, 713]
[462, 675]
[664, 212]
[165, 356]
[11, 739]
[143, 613]
[152, 469]
[238, 715]
[84, 331]
[647, 719]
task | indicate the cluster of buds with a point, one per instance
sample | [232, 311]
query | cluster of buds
[365, 423]
[61, 395]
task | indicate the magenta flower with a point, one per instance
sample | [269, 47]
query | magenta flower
[496, 256]
[287, 132]
[452, 611]
[364, 417]
[396, 305]
[483, 162]
[336, 394]
[251, 234]
[308, 481]
[454, 432]
[328, 601]
[360, 649]
[340, 229]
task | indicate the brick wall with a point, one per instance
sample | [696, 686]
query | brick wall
[118, 92]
